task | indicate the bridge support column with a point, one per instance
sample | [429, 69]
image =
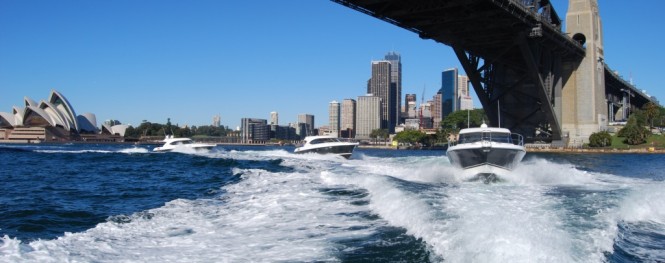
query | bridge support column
[584, 102]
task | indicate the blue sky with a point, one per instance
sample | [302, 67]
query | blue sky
[190, 60]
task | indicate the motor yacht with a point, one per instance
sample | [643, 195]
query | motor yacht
[327, 145]
[486, 151]
[171, 143]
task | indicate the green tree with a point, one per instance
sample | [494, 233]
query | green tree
[651, 112]
[460, 119]
[600, 139]
[379, 133]
[635, 131]
[410, 136]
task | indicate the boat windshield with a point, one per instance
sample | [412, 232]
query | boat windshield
[485, 136]
[323, 140]
[181, 142]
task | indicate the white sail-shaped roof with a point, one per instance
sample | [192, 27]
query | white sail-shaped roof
[56, 115]
[29, 102]
[34, 116]
[18, 115]
[87, 122]
[63, 105]
[7, 120]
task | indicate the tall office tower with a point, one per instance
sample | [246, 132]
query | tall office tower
[412, 109]
[409, 110]
[410, 98]
[449, 92]
[254, 130]
[463, 86]
[308, 120]
[368, 115]
[380, 86]
[274, 118]
[348, 124]
[437, 108]
[334, 117]
[396, 79]
[216, 120]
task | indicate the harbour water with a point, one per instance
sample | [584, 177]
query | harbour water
[119, 203]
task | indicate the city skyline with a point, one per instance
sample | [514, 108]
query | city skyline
[189, 62]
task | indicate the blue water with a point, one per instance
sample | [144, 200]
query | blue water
[110, 203]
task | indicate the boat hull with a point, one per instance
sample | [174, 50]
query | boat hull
[484, 160]
[343, 150]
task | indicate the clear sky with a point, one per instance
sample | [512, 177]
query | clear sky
[190, 60]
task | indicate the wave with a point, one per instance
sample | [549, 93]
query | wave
[543, 212]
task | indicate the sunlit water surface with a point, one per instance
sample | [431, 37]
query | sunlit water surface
[110, 203]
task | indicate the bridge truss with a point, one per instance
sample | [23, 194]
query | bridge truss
[513, 51]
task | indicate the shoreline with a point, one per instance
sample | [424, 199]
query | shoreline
[639, 150]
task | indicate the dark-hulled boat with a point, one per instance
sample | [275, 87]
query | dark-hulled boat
[486, 151]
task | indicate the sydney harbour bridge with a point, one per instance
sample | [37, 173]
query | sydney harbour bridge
[530, 76]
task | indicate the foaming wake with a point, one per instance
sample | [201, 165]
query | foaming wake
[134, 150]
[645, 203]
[264, 217]
[641, 222]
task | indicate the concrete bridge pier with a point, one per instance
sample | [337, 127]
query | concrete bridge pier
[585, 109]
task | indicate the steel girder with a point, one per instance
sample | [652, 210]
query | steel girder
[524, 97]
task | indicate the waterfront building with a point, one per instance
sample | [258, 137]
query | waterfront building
[348, 125]
[274, 118]
[368, 115]
[254, 130]
[380, 86]
[301, 130]
[395, 80]
[283, 133]
[449, 92]
[308, 120]
[53, 119]
[334, 118]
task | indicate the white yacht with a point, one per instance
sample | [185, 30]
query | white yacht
[171, 143]
[327, 145]
[486, 151]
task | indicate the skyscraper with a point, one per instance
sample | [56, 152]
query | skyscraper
[368, 115]
[348, 125]
[334, 117]
[395, 79]
[437, 108]
[380, 86]
[411, 105]
[274, 118]
[308, 120]
[216, 120]
[464, 101]
[449, 92]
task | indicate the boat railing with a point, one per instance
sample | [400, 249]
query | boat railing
[512, 138]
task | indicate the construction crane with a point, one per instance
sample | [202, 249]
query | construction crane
[422, 98]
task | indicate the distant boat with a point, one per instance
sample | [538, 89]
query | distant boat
[171, 143]
[486, 151]
[327, 145]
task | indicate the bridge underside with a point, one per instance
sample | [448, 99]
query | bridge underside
[617, 92]
[514, 54]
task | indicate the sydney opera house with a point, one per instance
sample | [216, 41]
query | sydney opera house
[54, 120]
